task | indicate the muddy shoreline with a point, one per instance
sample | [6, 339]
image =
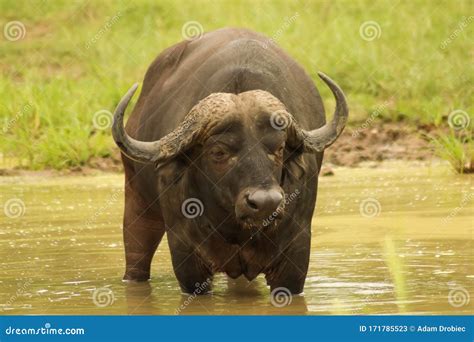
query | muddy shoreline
[355, 147]
[389, 141]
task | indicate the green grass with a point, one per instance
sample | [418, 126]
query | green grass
[55, 79]
[457, 148]
[395, 267]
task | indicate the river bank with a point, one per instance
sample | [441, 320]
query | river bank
[357, 146]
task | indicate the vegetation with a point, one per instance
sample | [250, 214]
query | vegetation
[458, 149]
[395, 266]
[76, 59]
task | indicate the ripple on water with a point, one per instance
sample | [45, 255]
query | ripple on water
[67, 255]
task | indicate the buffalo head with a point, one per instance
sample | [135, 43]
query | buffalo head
[240, 144]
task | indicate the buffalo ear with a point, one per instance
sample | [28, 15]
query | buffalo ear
[171, 172]
[294, 167]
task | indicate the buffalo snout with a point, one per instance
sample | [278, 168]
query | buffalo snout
[254, 205]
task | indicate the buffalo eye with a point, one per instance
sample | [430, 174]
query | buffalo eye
[218, 154]
[280, 150]
[276, 155]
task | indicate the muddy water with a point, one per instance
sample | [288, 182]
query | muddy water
[396, 239]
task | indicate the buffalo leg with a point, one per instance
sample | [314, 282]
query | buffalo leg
[193, 275]
[290, 272]
[143, 230]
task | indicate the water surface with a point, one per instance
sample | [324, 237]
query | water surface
[396, 239]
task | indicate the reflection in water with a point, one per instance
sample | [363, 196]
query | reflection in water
[138, 296]
[388, 240]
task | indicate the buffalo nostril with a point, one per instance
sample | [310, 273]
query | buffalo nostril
[251, 203]
[264, 200]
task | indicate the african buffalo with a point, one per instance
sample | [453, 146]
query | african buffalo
[228, 139]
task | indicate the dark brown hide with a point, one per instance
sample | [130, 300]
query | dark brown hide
[253, 184]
